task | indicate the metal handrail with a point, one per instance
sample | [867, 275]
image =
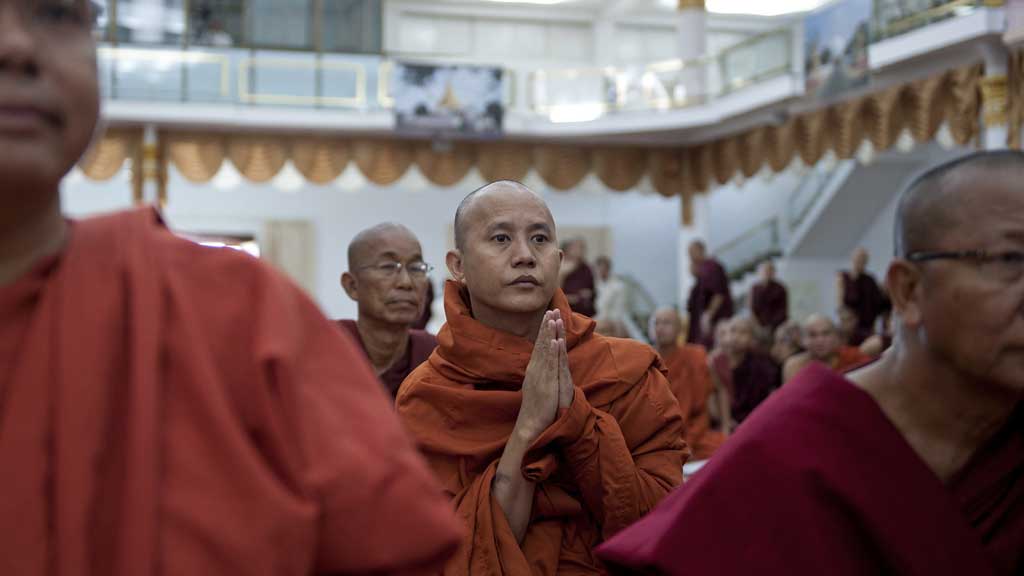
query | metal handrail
[923, 18]
[770, 223]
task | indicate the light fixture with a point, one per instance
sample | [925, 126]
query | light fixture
[758, 8]
[582, 112]
[531, 1]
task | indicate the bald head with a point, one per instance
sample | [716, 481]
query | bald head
[820, 337]
[506, 256]
[464, 214]
[362, 250]
[666, 326]
[930, 206]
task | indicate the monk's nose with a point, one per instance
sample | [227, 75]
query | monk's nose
[17, 42]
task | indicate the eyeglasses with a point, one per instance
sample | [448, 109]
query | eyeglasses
[1005, 266]
[416, 270]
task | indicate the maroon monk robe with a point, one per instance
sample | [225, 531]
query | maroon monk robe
[428, 308]
[770, 304]
[421, 345]
[711, 281]
[819, 481]
[167, 408]
[578, 287]
[865, 298]
[749, 383]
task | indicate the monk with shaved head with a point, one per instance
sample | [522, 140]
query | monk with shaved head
[823, 343]
[548, 437]
[912, 465]
[168, 408]
[689, 376]
[388, 279]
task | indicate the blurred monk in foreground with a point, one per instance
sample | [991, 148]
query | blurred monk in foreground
[548, 437]
[169, 408]
[912, 465]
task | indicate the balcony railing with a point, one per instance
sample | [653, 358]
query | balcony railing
[895, 18]
[248, 77]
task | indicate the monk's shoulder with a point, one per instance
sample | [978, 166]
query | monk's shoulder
[625, 358]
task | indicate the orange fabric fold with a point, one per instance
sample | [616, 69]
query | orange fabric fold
[605, 462]
[849, 358]
[177, 409]
[689, 378]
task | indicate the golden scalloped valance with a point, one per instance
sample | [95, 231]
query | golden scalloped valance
[918, 108]
[108, 154]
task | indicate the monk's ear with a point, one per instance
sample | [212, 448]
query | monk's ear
[350, 285]
[454, 262]
[903, 281]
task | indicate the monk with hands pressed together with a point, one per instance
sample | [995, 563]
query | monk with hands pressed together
[548, 437]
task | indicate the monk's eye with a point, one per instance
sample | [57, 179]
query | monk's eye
[540, 238]
[501, 238]
[59, 12]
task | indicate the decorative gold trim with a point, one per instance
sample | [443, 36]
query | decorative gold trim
[994, 102]
[692, 5]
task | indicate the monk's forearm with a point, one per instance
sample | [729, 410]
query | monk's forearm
[511, 489]
[714, 305]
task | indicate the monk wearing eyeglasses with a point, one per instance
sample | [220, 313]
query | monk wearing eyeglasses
[823, 344]
[168, 408]
[388, 279]
[912, 465]
[548, 437]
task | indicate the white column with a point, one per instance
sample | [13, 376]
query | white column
[149, 19]
[994, 102]
[692, 25]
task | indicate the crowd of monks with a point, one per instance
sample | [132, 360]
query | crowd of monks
[168, 408]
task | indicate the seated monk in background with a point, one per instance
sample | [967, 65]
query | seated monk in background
[170, 408]
[912, 465]
[388, 279]
[823, 343]
[548, 437]
[689, 377]
[787, 342]
[746, 374]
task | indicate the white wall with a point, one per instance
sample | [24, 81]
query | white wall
[644, 227]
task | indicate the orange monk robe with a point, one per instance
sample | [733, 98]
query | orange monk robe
[604, 463]
[848, 358]
[689, 377]
[174, 409]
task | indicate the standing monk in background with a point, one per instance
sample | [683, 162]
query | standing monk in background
[710, 300]
[388, 280]
[859, 292]
[548, 437]
[169, 408]
[577, 279]
[913, 465]
[769, 299]
[689, 377]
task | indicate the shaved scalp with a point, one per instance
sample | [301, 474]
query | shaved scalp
[361, 246]
[467, 203]
[929, 205]
[819, 319]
